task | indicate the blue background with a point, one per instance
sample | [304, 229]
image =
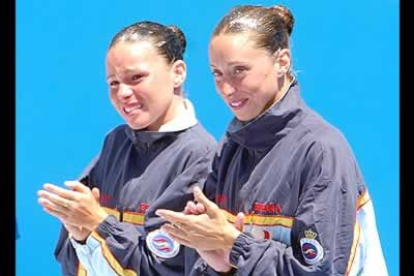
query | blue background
[346, 54]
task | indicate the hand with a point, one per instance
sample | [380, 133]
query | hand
[208, 231]
[78, 233]
[192, 208]
[78, 206]
[219, 259]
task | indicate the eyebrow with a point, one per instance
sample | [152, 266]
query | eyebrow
[127, 71]
[233, 63]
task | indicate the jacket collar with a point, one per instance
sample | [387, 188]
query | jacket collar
[272, 125]
[185, 119]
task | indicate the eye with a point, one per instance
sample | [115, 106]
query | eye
[113, 83]
[136, 77]
[239, 70]
[216, 73]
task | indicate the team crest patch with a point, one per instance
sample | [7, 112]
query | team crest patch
[162, 245]
[312, 250]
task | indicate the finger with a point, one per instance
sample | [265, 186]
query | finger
[190, 208]
[77, 186]
[175, 233]
[56, 213]
[187, 211]
[200, 208]
[174, 217]
[239, 222]
[52, 206]
[172, 228]
[96, 194]
[57, 200]
[182, 241]
[65, 193]
[211, 209]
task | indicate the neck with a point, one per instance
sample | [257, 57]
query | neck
[284, 84]
[177, 105]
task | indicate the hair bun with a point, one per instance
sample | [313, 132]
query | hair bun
[286, 15]
[177, 31]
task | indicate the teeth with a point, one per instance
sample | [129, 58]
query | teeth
[236, 104]
[129, 109]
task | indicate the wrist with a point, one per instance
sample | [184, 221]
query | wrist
[80, 241]
[230, 239]
[98, 219]
[80, 238]
[230, 272]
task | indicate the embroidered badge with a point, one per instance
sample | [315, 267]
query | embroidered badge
[312, 250]
[162, 245]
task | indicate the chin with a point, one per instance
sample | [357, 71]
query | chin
[136, 126]
[244, 117]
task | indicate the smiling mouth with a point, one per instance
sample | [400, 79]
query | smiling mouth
[237, 104]
[130, 109]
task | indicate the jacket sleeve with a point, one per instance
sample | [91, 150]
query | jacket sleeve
[118, 248]
[64, 252]
[210, 185]
[322, 233]
[95, 256]
[66, 255]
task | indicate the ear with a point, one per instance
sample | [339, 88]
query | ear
[282, 62]
[179, 71]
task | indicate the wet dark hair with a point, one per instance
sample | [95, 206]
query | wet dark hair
[269, 27]
[168, 40]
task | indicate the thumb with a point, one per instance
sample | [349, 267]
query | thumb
[238, 223]
[211, 208]
[95, 193]
[77, 186]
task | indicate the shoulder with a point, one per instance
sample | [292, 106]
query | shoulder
[325, 145]
[116, 134]
[120, 130]
[198, 139]
[324, 136]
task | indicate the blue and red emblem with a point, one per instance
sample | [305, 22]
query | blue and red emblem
[312, 251]
[162, 245]
[309, 251]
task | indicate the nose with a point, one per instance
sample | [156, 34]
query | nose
[226, 89]
[124, 91]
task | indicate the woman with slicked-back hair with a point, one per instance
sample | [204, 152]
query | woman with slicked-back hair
[286, 195]
[151, 162]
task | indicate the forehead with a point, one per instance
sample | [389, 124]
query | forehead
[233, 47]
[130, 53]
